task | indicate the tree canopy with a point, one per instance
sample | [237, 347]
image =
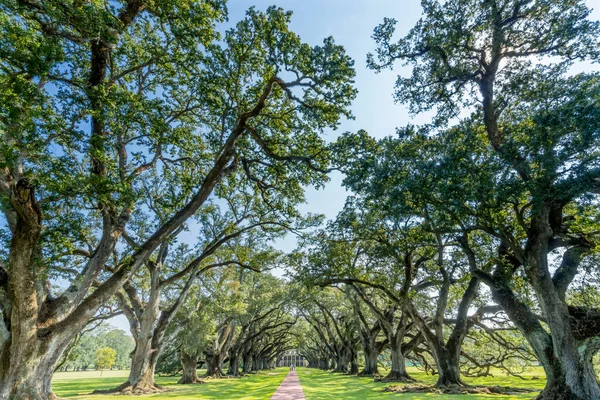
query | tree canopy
[151, 160]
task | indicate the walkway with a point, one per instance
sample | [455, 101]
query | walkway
[289, 389]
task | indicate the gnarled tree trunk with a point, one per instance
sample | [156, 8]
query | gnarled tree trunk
[398, 371]
[234, 365]
[189, 363]
[371, 354]
[19, 380]
[29, 351]
[566, 352]
[353, 363]
[246, 362]
[214, 365]
[342, 362]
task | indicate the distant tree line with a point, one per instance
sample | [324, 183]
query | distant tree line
[81, 354]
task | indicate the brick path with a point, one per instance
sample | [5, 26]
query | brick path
[289, 389]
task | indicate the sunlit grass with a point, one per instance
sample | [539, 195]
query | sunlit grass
[319, 384]
[316, 385]
[79, 385]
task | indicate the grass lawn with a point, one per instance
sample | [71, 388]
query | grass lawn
[79, 385]
[316, 384]
[319, 384]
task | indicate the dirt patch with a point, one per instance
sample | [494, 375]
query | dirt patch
[400, 378]
[455, 389]
[129, 391]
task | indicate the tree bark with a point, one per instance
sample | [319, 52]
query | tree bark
[448, 367]
[369, 369]
[143, 365]
[247, 363]
[571, 378]
[573, 372]
[27, 360]
[23, 383]
[255, 363]
[214, 365]
[324, 364]
[398, 372]
[189, 374]
[147, 336]
[342, 363]
[234, 365]
[353, 363]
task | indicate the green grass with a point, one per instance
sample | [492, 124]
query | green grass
[316, 384]
[79, 385]
[319, 384]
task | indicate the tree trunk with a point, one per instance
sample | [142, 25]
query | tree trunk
[576, 379]
[189, 363]
[567, 378]
[448, 364]
[214, 366]
[148, 346]
[255, 365]
[576, 385]
[566, 361]
[371, 367]
[368, 355]
[353, 363]
[371, 353]
[398, 372]
[141, 374]
[570, 372]
[234, 365]
[341, 364]
[29, 377]
[28, 354]
[247, 363]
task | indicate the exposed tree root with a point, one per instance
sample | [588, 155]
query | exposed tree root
[218, 376]
[189, 382]
[127, 389]
[395, 377]
[456, 389]
[369, 374]
[555, 393]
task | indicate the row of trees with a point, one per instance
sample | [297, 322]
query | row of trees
[148, 162]
[490, 207]
[234, 323]
[125, 124]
